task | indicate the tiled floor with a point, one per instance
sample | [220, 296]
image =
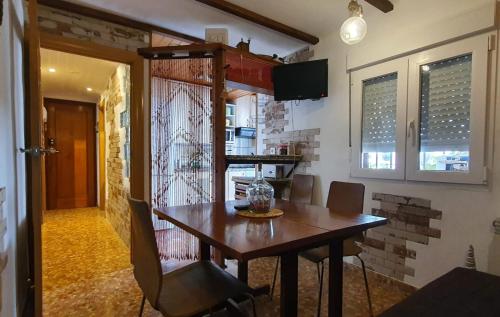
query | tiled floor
[86, 272]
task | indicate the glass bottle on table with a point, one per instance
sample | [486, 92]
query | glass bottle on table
[260, 193]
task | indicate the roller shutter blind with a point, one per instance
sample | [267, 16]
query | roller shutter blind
[445, 104]
[379, 114]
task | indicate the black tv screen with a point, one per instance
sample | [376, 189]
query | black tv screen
[298, 81]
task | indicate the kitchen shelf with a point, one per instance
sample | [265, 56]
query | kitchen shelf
[264, 159]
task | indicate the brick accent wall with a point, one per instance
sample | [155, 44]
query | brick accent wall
[302, 55]
[385, 249]
[275, 129]
[117, 105]
[73, 25]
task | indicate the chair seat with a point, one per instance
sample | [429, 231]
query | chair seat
[189, 290]
[317, 255]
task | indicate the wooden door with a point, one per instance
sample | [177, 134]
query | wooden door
[71, 172]
[34, 159]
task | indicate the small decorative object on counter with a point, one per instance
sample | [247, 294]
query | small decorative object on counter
[470, 261]
[283, 149]
[260, 193]
[244, 46]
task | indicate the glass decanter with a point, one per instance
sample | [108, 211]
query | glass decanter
[260, 194]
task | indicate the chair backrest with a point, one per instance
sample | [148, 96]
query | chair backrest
[145, 256]
[346, 197]
[302, 189]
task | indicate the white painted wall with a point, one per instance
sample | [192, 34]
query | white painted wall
[11, 136]
[468, 211]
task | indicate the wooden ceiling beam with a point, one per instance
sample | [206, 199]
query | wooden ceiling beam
[116, 19]
[383, 5]
[261, 20]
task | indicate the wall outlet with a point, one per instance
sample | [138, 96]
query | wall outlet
[216, 35]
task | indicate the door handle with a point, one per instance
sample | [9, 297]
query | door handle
[36, 151]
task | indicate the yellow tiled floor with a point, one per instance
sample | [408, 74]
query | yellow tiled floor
[86, 272]
[86, 267]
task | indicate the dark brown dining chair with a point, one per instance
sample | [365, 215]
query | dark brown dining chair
[301, 191]
[192, 290]
[342, 197]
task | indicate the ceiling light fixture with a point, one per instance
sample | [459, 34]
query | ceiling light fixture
[353, 30]
[89, 89]
[52, 70]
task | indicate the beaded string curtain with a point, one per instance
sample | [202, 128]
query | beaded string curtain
[182, 146]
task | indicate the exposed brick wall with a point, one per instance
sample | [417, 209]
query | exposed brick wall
[73, 25]
[302, 55]
[275, 129]
[385, 249]
[117, 105]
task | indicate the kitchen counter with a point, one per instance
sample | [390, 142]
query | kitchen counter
[241, 183]
[264, 159]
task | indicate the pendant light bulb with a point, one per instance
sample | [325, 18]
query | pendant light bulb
[354, 29]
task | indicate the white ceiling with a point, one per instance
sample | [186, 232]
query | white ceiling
[74, 73]
[191, 17]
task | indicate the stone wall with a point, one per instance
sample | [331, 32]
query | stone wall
[302, 55]
[385, 249]
[73, 25]
[276, 127]
[116, 100]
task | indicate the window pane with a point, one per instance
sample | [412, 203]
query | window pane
[379, 122]
[445, 114]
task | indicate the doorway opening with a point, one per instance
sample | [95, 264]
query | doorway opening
[86, 173]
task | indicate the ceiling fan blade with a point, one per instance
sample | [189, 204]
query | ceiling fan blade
[383, 5]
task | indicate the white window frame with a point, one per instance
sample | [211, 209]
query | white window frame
[478, 47]
[408, 120]
[399, 66]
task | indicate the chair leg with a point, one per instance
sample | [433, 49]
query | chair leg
[274, 277]
[320, 280]
[142, 305]
[366, 285]
[233, 309]
[252, 300]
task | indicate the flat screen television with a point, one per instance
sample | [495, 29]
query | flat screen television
[299, 81]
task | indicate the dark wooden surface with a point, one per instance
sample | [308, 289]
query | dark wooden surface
[383, 5]
[34, 170]
[243, 239]
[219, 126]
[459, 293]
[261, 20]
[71, 173]
[301, 227]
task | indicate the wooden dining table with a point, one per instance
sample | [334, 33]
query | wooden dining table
[300, 227]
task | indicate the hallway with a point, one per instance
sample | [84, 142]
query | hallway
[86, 267]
